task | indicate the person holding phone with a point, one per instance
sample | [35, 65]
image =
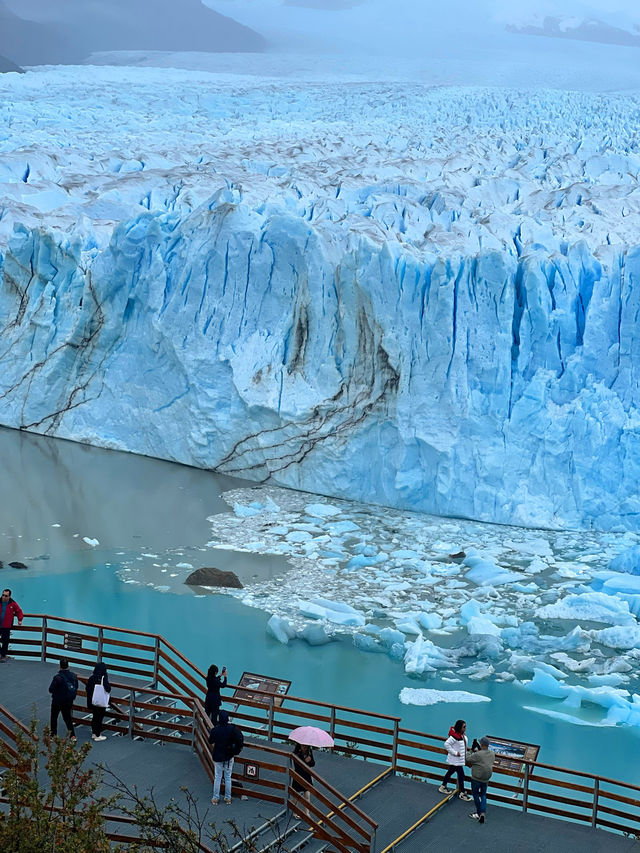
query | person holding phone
[213, 700]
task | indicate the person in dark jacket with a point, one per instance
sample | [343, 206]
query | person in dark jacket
[227, 741]
[9, 609]
[63, 689]
[303, 758]
[99, 676]
[213, 700]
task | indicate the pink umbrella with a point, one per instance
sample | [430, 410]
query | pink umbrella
[311, 736]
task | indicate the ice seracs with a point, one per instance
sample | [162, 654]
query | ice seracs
[441, 318]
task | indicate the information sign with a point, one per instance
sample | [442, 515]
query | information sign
[269, 687]
[510, 754]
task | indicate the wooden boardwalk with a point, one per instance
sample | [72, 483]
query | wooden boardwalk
[395, 802]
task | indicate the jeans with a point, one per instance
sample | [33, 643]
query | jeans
[65, 710]
[221, 767]
[459, 770]
[479, 791]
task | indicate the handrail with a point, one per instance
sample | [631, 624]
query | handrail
[409, 751]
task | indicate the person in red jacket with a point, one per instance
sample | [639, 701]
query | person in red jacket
[9, 609]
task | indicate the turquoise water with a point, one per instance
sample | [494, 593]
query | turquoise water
[133, 505]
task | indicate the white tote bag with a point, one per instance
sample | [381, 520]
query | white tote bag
[100, 696]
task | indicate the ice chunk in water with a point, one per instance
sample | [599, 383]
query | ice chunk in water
[322, 510]
[280, 629]
[618, 637]
[591, 606]
[628, 561]
[243, 511]
[423, 696]
[315, 635]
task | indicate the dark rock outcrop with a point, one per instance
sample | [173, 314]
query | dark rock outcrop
[16, 564]
[213, 577]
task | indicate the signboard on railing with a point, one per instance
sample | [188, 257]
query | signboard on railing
[510, 754]
[275, 688]
[72, 642]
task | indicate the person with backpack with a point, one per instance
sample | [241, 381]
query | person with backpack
[63, 689]
[456, 745]
[98, 694]
[227, 741]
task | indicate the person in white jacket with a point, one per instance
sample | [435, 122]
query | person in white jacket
[456, 745]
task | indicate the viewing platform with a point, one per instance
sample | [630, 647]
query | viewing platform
[377, 791]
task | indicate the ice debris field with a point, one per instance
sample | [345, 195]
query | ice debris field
[555, 613]
[422, 297]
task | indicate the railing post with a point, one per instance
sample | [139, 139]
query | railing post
[525, 787]
[287, 783]
[596, 794]
[131, 701]
[332, 722]
[394, 753]
[100, 642]
[43, 650]
[372, 843]
[194, 726]
[270, 721]
[156, 663]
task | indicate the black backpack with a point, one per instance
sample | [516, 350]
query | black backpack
[70, 680]
[235, 743]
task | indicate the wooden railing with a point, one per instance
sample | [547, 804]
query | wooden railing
[545, 789]
[9, 727]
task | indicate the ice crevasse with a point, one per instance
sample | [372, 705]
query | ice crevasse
[242, 338]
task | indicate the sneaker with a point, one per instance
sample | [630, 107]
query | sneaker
[214, 801]
[464, 796]
[443, 789]
[481, 818]
[227, 801]
[99, 737]
[244, 797]
[475, 816]
[3, 659]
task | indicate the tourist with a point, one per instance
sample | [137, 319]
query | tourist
[213, 700]
[227, 741]
[63, 689]
[481, 763]
[9, 610]
[303, 758]
[456, 745]
[98, 693]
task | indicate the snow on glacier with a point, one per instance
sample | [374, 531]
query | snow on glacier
[419, 297]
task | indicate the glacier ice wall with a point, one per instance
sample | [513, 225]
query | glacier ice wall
[244, 338]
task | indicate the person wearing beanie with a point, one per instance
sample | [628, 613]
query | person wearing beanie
[481, 763]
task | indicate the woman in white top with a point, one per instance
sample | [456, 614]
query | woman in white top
[456, 745]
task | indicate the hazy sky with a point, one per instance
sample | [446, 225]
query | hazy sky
[381, 24]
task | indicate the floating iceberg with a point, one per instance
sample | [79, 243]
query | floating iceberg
[424, 696]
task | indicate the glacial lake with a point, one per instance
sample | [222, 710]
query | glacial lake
[156, 521]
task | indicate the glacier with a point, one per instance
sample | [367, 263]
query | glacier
[425, 298]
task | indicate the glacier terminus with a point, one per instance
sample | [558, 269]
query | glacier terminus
[421, 297]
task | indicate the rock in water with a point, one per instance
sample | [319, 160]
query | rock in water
[17, 565]
[213, 577]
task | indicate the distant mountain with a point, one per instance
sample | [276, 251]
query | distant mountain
[8, 65]
[587, 29]
[37, 32]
